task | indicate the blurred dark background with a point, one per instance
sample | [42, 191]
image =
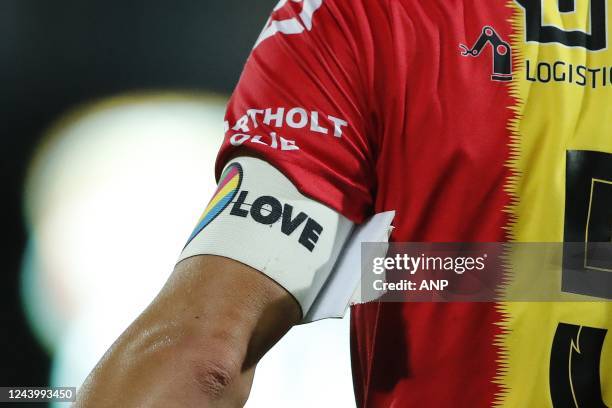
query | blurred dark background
[58, 55]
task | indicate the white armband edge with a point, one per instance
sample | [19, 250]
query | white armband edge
[259, 218]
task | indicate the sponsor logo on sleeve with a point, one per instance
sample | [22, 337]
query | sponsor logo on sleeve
[285, 21]
[248, 128]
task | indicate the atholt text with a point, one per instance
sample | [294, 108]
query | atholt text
[249, 127]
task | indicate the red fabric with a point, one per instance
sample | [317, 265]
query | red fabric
[320, 71]
[427, 137]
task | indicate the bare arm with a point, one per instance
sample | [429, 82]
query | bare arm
[198, 343]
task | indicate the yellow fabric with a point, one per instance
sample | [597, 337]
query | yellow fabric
[552, 118]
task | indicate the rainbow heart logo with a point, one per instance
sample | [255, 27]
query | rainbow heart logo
[228, 187]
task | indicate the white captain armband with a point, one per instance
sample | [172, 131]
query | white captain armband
[259, 218]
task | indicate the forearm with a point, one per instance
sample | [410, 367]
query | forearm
[197, 344]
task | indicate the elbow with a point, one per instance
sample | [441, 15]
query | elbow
[219, 376]
[209, 365]
[214, 377]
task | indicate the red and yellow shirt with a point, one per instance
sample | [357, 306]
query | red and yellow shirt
[476, 121]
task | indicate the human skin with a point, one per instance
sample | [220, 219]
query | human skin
[197, 343]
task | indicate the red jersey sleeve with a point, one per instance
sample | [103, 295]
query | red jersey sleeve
[301, 104]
